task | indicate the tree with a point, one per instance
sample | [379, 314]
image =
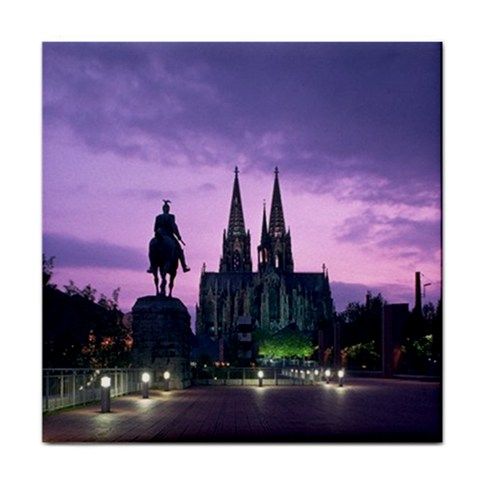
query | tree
[362, 323]
[362, 355]
[47, 270]
[420, 356]
[78, 332]
[71, 289]
[89, 293]
[286, 343]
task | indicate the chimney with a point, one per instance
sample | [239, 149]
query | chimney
[418, 294]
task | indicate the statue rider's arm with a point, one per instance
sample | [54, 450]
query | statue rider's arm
[156, 225]
[175, 228]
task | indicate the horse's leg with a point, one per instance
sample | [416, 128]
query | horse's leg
[164, 282]
[170, 284]
[155, 278]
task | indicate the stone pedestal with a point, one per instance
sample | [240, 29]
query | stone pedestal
[161, 339]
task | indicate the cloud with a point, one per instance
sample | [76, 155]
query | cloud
[148, 193]
[329, 109]
[207, 187]
[345, 293]
[402, 237]
[160, 194]
[75, 252]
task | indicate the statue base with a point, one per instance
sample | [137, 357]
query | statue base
[161, 340]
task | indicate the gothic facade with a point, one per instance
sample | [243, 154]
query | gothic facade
[272, 297]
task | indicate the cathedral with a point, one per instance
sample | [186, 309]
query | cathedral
[236, 300]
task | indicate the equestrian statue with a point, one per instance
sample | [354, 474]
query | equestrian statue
[165, 251]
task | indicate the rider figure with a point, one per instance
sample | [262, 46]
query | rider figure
[165, 223]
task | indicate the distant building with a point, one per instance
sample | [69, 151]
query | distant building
[394, 321]
[274, 296]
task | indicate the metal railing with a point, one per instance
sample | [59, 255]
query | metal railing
[64, 388]
[249, 376]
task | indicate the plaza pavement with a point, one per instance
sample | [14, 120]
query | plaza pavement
[373, 410]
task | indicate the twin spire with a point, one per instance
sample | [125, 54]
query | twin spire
[276, 227]
[275, 244]
[236, 223]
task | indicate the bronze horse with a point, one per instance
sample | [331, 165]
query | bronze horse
[164, 258]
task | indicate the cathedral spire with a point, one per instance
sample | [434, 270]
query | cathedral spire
[236, 223]
[264, 224]
[236, 240]
[276, 226]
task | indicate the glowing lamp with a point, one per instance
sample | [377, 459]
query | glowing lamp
[105, 382]
[260, 374]
[328, 372]
[105, 394]
[341, 374]
[166, 375]
[145, 377]
[316, 372]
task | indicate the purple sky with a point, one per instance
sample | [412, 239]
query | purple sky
[355, 130]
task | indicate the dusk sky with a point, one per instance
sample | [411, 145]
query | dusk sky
[355, 130]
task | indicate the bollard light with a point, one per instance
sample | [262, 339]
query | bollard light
[166, 377]
[145, 380]
[260, 378]
[105, 383]
[328, 373]
[341, 374]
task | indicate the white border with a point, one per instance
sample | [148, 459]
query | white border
[26, 24]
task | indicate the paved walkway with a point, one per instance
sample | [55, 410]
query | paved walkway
[363, 410]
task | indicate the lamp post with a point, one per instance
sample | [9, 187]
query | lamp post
[166, 378]
[328, 374]
[341, 374]
[260, 378]
[145, 380]
[105, 383]
[315, 374]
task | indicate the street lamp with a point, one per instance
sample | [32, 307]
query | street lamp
[145, 380]
[341, 374]
[328, 373]
[260, 378]
[166, 377]
[105, 383]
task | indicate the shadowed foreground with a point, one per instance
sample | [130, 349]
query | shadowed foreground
[363, 410]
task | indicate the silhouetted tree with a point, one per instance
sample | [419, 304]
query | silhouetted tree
[77, 332]
[362, 323]
[47, 270]
[71, 289]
